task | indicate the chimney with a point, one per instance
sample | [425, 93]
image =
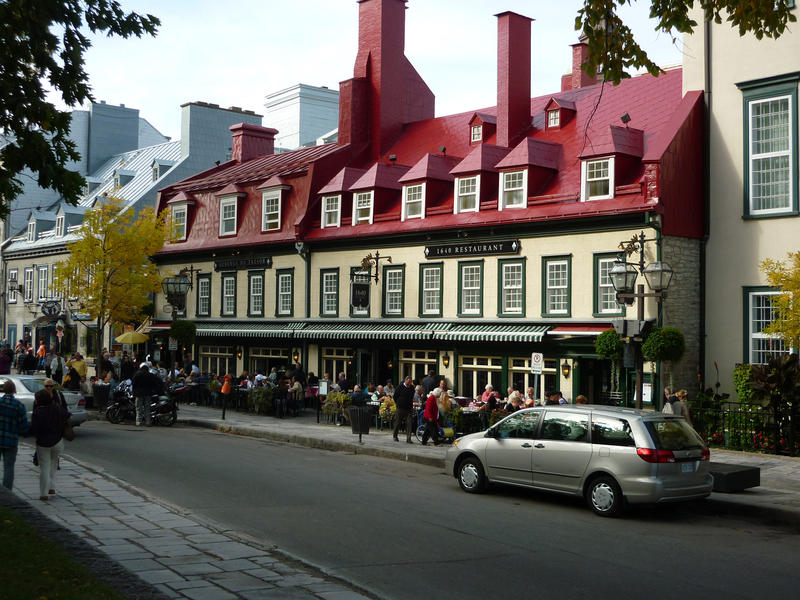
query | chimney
[513, 78]
[580, 78]
[250, 141]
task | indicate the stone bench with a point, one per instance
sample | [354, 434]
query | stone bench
[734, 478]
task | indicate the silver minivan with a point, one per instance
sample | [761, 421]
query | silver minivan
[608, 455]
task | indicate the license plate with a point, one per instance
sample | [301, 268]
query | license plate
[687, 467]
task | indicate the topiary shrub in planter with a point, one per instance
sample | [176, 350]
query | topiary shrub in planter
[456, 417]
[609, 347]
[742, 376]
[387, 410]
[664, 344]
[336, 405]
[261, 400]
[183, 331]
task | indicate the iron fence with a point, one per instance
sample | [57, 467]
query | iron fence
[735, 426]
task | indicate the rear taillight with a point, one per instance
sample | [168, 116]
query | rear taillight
[705, 454]
[655, 456]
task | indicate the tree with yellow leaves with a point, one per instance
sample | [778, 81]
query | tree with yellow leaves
[109, 271]
[786, 304]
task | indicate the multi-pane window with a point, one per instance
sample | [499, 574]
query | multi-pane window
[60, 226]
[331, 211]
[512, 190]
[55, 285]
[256, 297]
[471, 281]
[179, 223]
[431, 290]
[362, 208]
[771, 166]
[556, 286]
[477, 372]
[359, 275]
[329, 290]
[511, 290]
[27, 293]
[203, 296]
[31, 231]
[606, 296]
[598, 179]
[285, 293]
[217, 359]
[12, 281]
[228, 295]
[227, 216]
[553, 118]
[762, 313]
[271, 210]
[466, 194]
[476, 133]
[393, 291]
[43, 279]
[413, 201]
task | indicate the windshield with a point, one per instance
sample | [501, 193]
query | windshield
[32, 384]
[674, 434]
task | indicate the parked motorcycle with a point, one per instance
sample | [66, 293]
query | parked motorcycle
[122, 407]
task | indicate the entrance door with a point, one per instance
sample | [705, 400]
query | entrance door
[365, 368]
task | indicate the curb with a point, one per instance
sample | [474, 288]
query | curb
[319, 444]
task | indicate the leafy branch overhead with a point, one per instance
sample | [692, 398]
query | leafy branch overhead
[613, 48]
[43, 44]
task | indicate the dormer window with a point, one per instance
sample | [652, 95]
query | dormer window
[32, 231]
[513, 189]
[553, 118]
[476, 133]
[227, 216]
[597, 179]
[60, 226]
[331, 211]
[271, 210]
[179, 213]
[362, 207]
[155, 171]
[467, 194]
[413, 202]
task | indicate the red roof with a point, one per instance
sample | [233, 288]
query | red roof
[482, 158]
[381, 175]
[431, 166]
[343, 180]
[620, 140]
[533, 152]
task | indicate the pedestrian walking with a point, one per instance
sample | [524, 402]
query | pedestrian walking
[6, 359]
[29, 362]
[683, 397]
[13, 423]
[145, 385]
[58, 367]
[47, 425]
[431, 418]
[404, 403]
[428, 382]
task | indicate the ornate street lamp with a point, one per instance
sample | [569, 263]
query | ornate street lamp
[175, 287]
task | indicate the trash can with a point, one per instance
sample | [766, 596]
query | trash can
[360, 419]
[100, 395]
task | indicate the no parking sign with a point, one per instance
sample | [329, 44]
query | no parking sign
[537, 363]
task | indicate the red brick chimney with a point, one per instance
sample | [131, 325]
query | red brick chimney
[580, 78]
[386, 90]
[513, 77]
[250, 141]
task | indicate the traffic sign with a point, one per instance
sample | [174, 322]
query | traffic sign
[537, 363]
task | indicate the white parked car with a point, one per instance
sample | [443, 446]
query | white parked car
[28, 385]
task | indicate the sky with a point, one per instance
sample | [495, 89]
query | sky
[236, 53]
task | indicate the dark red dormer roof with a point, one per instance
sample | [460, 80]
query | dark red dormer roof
[482, 158]
[343, 180]
[556, 102]
[617, 140]
[273, 182]
[381, 175]
[532, 152]
[180, 198]
[479, 118]
[230, 190]
[431, 166]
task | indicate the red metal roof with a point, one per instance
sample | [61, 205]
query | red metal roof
[343, 180]
[483, 158]
[381, 175]
[431, 166]
[532, 152]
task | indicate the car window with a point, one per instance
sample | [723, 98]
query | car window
[567, 426]
[522, 425]
[611, 431]
[673, 434]
[32, 384]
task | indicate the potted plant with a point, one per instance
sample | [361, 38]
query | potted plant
[664, 344]
[609, 347]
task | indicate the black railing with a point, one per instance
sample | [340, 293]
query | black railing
[735, 426]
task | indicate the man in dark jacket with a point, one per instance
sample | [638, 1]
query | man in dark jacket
[428, 383]
[145, 385]
[404, 401]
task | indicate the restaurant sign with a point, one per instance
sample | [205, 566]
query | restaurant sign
[473, 248]
[243, 262]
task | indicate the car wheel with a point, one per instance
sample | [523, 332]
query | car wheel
[112, 414]
[471, 477]
[604, 496]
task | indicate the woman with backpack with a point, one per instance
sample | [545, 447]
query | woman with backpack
[47, 425]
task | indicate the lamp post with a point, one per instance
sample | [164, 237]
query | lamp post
[623, 275]
[175, 288]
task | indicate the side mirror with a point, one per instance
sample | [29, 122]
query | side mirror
[491, 432]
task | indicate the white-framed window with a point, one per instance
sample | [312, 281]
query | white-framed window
[204, 296]
[553, 118]
[598, 179]
[329, 303]
[228, 295]
[227, 216]
[31, 231]
[476, 133]
[393, 291]
[512, 292]
[466, 194]
[770, 124]
[556, 293]
[359, 275]
[256, 296]
[156, 174]
[13, 280]
[606, 294]
[60, 226]
[471, 276]
[284, 293]
[431, 302]
[513, 189]
[179, 222]
[362, 207]
[56, 286]
[762, 313]
[331, 211]
[478, 371]
[27, 293]
[413, 202]
[44, 290]
[271, 210]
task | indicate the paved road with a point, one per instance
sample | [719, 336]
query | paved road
[404, 531]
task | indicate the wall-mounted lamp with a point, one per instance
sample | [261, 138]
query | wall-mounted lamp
[390, 364]
[295, 356]
[239, 351]
[393, 157]
[565, 369]
[446, 360]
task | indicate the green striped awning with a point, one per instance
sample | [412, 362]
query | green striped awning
[492, 333]
[248, 330]
[364, 331]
